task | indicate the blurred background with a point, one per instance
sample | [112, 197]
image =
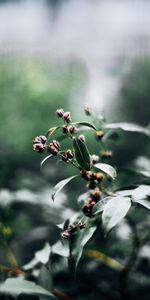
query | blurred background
[65, 53]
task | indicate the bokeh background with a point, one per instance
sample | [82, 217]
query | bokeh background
[66, 53]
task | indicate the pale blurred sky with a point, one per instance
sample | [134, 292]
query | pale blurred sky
[102, 34]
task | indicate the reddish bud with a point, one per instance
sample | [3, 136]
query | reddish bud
[38, 147]
[82, 138]
[67, 116]
[94, 158]
[59, 113]
[72, 129]
[65, 129]
[99, 134]
[65, 235]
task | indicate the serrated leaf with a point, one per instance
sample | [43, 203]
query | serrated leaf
[77, 242]
[43, 254]
[45, 159]
[60, 185]
[107, 169]
[129, 127]
[87, 124]
[82, 154]
[52, 130]
[114, 211]
[17, 286]
[100, 205]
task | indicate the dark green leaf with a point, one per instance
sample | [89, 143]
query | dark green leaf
[114, 211]
[129, 127]
[17, 286]
[82, 154]
[60, 185]
[107, 169]
[45, 159]
[77, 242]
[87, 124]
[100, 205]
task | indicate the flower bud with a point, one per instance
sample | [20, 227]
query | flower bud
[43, 139]
[65, 235]
[87, 110]
[96, 194]
[99, 134]
[38, 147]
[69, 154]
[72, 129]
[59, 113]
[65, 129]
[56, 144]
[67, 116]
[72, 228]
[52, 149]
[106, 154]
[82, 138]
[82, 225]
[37, 140]
[94, 158]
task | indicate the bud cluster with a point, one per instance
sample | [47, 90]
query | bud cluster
[71, 229]
[53, 147]
[39, 143]
[95, 196]
[92, 176]
[65, 115]
[67, 155]
[69, 129]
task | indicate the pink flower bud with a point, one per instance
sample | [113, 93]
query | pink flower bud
[59, 113]
[82, 138]
[67, 116]
[38, 147]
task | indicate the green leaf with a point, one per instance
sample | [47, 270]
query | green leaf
[140, 195]
[129, 127]
[124, 193]
[52, 130]
[17, 286]
[45, 159]
[77, 242]
[60, 249]
[43, 254]
[100, 205]
[82, 154]
[107, 169]
[60, 185]
[87, 124]
[114, 211]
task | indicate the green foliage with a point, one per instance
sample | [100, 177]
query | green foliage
[82, 154]
[60, 185]
[17, 286]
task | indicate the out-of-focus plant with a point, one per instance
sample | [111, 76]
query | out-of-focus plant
[102, 206]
